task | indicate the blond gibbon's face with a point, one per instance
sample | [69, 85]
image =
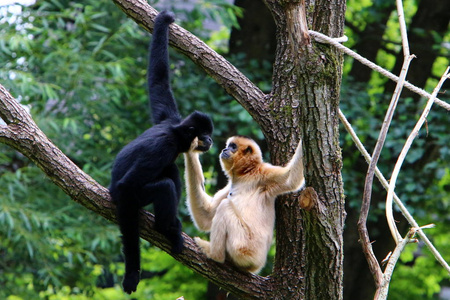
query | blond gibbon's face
[239, 153]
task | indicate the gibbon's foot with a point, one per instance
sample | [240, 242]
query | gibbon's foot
[173, 234]
[177, 245]
[176, 238]
[204, 245]
[206, 248]
[130, 282]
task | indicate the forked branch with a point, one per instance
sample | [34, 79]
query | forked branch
[382, 279]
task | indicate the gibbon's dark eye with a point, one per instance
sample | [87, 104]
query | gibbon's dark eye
[233, 146]
[191, 131]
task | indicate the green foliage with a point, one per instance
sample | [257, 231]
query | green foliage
[42, 247]
[409, 279]
[203, 17]
[80, 67]
[176, 280]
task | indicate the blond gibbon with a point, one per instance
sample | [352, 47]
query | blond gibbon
[241, 216]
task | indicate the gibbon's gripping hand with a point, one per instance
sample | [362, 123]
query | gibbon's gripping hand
[201, 144]
[194, 145]
[130, 282]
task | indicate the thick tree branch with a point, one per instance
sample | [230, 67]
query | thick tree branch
[227, 76]
[22, 134]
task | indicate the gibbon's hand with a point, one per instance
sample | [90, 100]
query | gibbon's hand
[194, 145]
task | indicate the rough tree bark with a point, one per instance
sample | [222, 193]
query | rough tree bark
[305, 97]
[303, 103]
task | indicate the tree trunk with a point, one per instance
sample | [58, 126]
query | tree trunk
[303, 103]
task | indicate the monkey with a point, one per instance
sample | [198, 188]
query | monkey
[144, 171]
[241, 216]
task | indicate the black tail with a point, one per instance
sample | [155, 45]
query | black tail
[128, 217]
[162, 102]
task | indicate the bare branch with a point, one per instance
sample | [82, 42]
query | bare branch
[365, 206]
[403, 32]
[362, 226]
[298, 31]
[382, 291]
[397, 200]
[402, 156]
[387, 121]
[336, 43]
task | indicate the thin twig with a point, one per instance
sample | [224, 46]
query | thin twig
[403, 31]
[406, 61]
[321, 38]
[390, 219]
[397, 200]
[362, 226]
[406, 148]
[335, 42]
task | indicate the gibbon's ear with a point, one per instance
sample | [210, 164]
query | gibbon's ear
[249, 150]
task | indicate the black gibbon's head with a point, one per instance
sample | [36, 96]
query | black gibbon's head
[198, 125]
[240, 156]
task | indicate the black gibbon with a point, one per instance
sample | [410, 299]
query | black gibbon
[241, 216]
[144, 171]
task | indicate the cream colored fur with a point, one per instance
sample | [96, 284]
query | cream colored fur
[241, 216]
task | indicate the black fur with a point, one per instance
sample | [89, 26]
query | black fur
[144, 171]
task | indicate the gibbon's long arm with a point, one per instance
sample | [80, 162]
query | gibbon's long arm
[289, 178]
[202, 207]
[162, 102]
